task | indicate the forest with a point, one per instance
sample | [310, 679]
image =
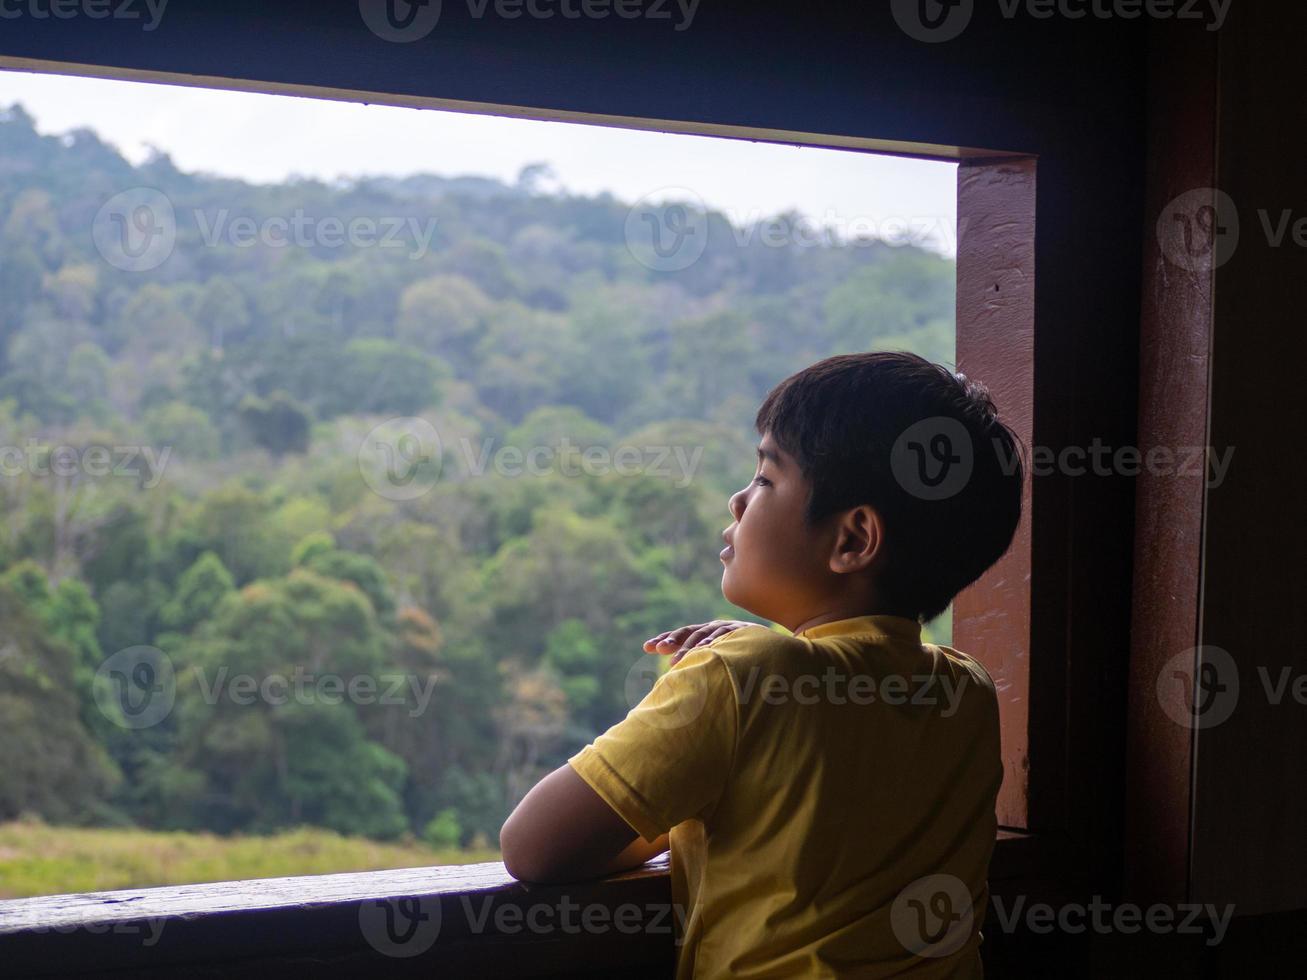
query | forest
[303, 533]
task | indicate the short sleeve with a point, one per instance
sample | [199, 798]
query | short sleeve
[668, 760]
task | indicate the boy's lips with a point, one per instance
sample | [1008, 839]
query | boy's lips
[728, 552]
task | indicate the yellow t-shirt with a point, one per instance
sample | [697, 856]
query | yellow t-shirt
[829, 796]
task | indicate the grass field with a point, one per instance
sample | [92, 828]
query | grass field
[36, 859]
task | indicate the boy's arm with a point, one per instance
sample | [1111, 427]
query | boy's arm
[612, 805]
[564, 831]
[637, 853]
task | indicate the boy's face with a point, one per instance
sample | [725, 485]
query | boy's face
[776, 566]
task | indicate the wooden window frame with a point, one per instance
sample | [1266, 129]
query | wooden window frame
[263, 926]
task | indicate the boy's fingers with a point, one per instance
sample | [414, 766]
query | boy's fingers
[685, 644]
[676, 637]
[705, 633]
[680, 641]
[698, 637]
[665, 634]
[711, 632]
[669, 640]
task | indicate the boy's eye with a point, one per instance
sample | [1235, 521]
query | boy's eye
[762, 481]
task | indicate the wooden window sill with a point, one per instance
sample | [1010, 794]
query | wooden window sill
[462, 919]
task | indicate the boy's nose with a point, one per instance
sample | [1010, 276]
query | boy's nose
[736, 504]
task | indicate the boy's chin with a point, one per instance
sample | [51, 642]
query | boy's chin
[730, 591]
[734, 592]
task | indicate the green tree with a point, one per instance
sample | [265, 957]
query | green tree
[223, 312]
[361, 570]
[906, 292]
[183, 427]
[235, 523]
[383, 376]
[200, 591]
[444, 830]
[277, 423]
[297, 752]
[54, 768]
[572, 650]
[443, 315]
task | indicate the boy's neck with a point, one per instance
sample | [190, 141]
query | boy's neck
[843, 612]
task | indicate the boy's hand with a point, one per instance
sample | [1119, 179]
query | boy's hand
[679, 642]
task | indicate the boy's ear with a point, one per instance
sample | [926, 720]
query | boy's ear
[859, 537]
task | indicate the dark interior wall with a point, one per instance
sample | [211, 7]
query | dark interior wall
[1251, 800]
[1216, 808]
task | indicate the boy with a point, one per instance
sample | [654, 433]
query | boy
[827, 795]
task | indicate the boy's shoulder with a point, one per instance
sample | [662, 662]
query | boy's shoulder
[746, 648]
[754, 643]
[758, 646]
[970, 679]
[745, 653]
[752, 649]
[964, 662]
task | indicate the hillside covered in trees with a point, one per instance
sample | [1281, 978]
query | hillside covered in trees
[184, 489]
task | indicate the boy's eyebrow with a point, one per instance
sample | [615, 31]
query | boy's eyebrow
[771, 455]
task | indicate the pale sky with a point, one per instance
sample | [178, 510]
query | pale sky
[266, 138]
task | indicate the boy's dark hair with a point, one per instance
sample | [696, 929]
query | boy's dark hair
[842, 420]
